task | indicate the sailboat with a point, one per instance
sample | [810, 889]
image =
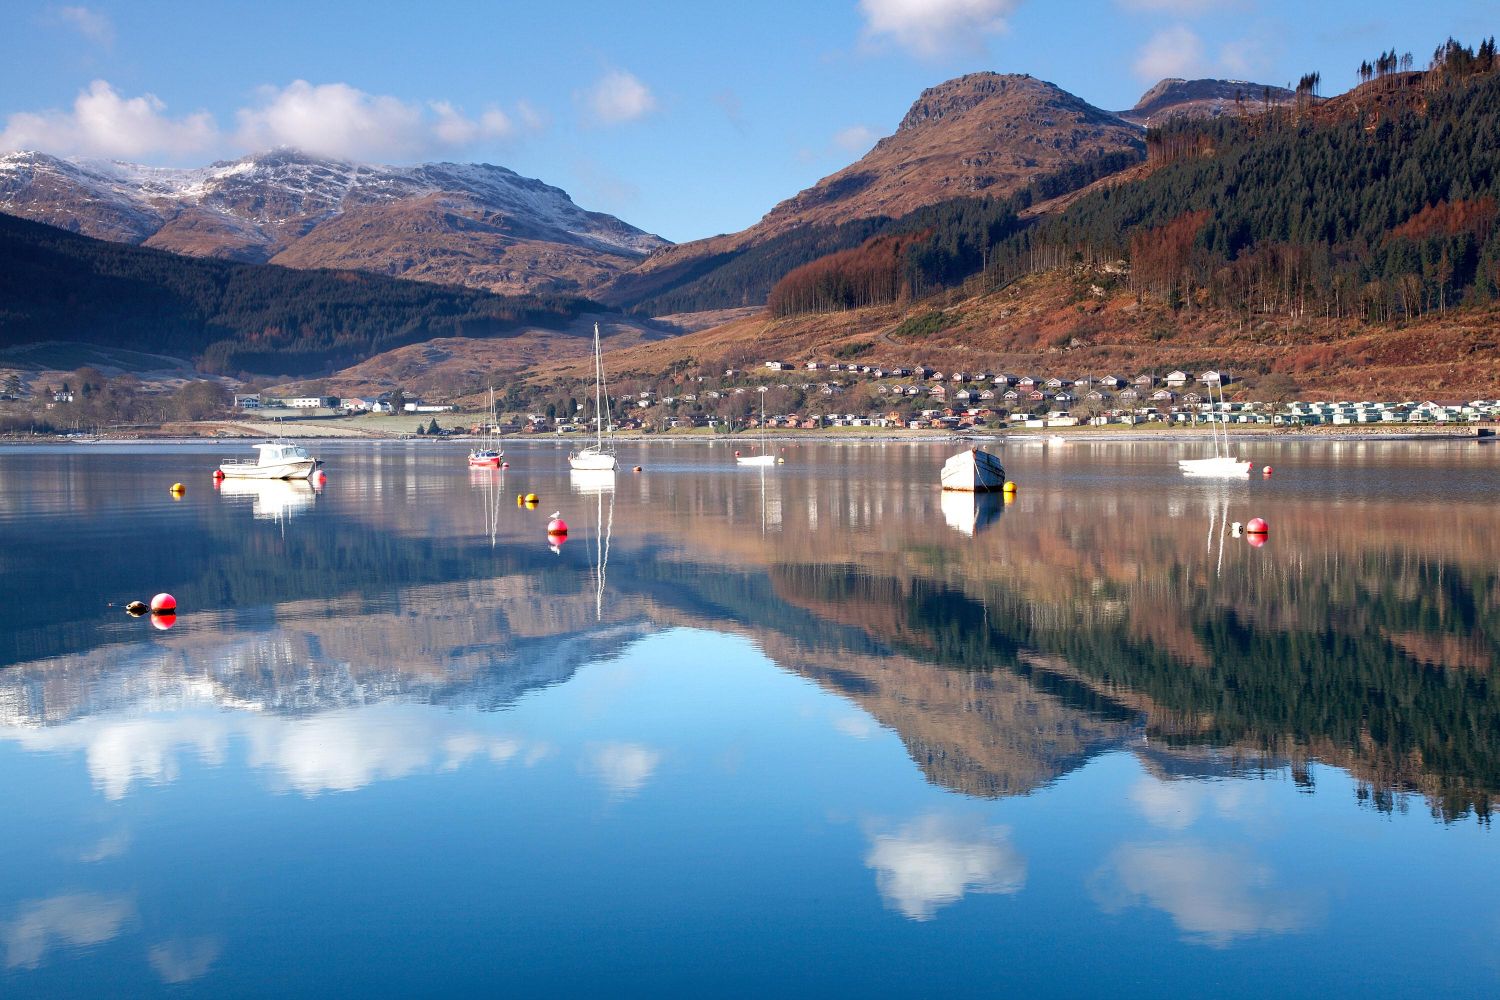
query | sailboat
[487, 456]
[765, 457]
[1221, 462]
[597, 457]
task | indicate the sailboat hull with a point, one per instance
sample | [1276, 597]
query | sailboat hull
[1222, 465]
[973, 471]
[589, 460]
[756, 459]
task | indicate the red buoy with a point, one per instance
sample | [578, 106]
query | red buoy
[164, 621]
[557, 526]
[1257, 526]
[1266, 472]
[504, 465]
[218, 474]
[736, 453]
[637, 469]
[163, 603]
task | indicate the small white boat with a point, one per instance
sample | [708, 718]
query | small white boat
[973, 471]
[1222, 463]
[598, 457]
[765, 457]
[274, 460]
[1219, 465]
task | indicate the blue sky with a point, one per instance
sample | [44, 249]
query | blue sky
[686, 119]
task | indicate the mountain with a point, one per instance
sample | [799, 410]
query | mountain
[229, 316]
[1174, 98]
[472, 224]
[984, 135]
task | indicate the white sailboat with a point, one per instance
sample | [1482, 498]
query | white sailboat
[597, 457]
[487, 455]
[1222, 462]
[973, 471]
[765, 457]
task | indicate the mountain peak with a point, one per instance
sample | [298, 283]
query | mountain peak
[457, 223]
[1207, 98]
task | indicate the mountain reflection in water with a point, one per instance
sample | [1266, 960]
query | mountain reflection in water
[1091, 617]
[834, 730]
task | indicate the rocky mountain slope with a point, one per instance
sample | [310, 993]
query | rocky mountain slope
[1174, 98]
[473, 224]
[980, 135]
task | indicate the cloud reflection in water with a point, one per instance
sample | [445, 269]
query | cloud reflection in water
[934, 860]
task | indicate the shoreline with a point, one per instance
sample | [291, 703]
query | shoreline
[1056, 435]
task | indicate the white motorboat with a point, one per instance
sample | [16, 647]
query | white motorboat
[599, 456]
[973, 471]
[1221, 463]
[274, 460]
[765, 457]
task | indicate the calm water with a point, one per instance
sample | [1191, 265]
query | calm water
[814, 728]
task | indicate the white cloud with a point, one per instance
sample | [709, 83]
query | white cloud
[619, 97]
[933, 861]
[623, 768]
[91, 24]
[103, 123]
[1214, 896]
[932, 28]
[183, 960]
[1172, 52]
[335, 119]
[79, 919]
[855, 139]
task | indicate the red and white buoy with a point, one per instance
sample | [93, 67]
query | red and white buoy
[1266, 472]
[557, 526]
[1257, 526]
[163, 604]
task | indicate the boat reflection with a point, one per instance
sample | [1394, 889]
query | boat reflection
[272, 499]
[970, 513]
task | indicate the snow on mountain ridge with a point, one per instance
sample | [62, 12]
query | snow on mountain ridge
[283, 185]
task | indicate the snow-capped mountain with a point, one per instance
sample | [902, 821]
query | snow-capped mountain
[468, 223]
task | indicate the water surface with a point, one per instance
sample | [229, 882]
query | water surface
[813, 727]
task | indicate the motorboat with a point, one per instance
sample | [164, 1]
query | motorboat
[599, 456]
[274, 460]
[973, 471]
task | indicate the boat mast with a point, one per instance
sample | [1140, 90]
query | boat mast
[598, 392]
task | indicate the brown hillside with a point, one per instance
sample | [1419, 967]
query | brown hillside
[1071, 324]
[985, 134]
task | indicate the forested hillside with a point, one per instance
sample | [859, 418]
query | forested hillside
[1385, 210]
[233, 317]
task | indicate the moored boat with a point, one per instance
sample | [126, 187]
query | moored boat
[487, 455]
[599, 456]
[274, 460]
[973, 471]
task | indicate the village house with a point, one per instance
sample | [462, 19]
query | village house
[1177, 379]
